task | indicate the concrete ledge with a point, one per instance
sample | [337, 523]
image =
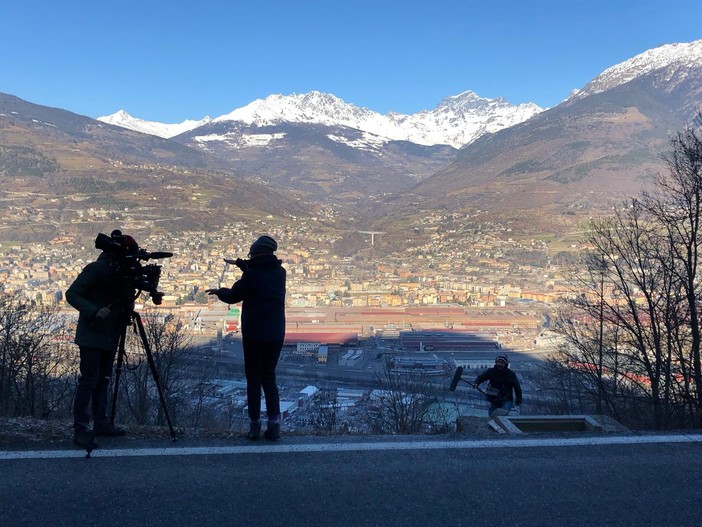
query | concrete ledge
[517, 424]
[496, 427]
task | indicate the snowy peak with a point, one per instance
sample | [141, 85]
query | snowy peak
[672, 60]
[468, 100]
[471, 102]
[456, 121]
[314, 107]
[124, 120]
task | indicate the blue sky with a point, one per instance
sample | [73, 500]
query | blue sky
[168, 61]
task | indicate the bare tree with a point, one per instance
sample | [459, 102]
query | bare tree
[168, 340]
[405, 399]
[202, 390]
[324, 411]
[567, 392]
[36, 373]
[677, 206]
[633, 328]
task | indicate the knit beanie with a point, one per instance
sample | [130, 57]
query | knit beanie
[263, 245]
[502, 357]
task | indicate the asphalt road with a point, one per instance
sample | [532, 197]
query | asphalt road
[447, 481]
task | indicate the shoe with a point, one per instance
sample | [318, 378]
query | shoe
[254, 430]
[272, 433]
[85, 439]
[108, 430]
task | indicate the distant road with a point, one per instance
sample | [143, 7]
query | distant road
[346, 481]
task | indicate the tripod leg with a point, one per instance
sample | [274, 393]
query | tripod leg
[154, 372]
[118, 373]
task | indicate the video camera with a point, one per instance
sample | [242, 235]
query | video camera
[128, 267]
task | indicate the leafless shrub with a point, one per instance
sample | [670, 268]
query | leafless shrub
[37, 366]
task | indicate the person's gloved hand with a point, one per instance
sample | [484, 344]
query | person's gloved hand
[241, 264]
[213, 292]
[103, 312]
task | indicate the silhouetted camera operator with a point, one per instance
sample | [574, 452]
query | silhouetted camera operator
[104, 304]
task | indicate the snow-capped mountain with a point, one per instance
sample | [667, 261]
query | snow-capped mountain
[602, 144]
[456, 121]
[671, 60]
[124, 120]
[553, 169]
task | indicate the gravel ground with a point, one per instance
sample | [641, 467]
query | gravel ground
[32, 433]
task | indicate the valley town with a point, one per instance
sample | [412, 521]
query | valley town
[474, 276]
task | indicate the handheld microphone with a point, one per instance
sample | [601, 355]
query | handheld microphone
[456, 377]
[241, 264]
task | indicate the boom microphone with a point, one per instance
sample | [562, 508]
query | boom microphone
[160, 254]
[456, 377]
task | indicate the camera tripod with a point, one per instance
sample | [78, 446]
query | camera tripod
[135, 321]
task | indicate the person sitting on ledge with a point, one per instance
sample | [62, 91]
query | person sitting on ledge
[503, 383]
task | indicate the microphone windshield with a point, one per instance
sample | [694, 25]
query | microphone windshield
[456, 377]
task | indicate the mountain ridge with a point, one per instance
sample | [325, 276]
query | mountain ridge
[666, 57]
[57, 168]
[557, 167]
[163, 130]
[579, 157]
[456, 120]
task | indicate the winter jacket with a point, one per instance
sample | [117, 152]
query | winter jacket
[95, 287]
[504, 380]
[261, 289]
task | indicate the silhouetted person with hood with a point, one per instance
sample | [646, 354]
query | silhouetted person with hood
[503, 382]
[261, 288]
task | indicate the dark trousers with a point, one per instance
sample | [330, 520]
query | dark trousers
[91, 392]
[260, 361]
